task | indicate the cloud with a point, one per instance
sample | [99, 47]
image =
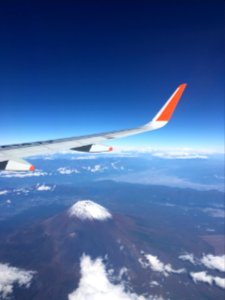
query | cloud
[157, 177]
[98, 168]
[67, 171]
[21, 174]
[210, 261]
[175, 152]
[154, 283]
[22, 190]
[156, 265]
[170, 153]
[188, 257]
[202, 277]
[4, 192]
[95, 285]
[48, 157]
[43, 187]
[95, 169]
[215, 213]
[220, 282]
[89, 210]
[179, 155]
[84, 157]
[166, 153]
[10, 276]
[214, 262]
[209, 279]
[115, 166]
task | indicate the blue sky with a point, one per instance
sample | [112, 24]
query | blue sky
[79, 67]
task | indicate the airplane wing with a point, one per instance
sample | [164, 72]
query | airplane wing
[11, 155]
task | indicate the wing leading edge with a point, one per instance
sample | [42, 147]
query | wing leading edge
[10, 155]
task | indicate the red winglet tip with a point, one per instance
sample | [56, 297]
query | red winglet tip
[32, 168]
[183, 86]
[110, 149]
[169, 109]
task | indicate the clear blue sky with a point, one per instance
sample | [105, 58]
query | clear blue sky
[77, 67]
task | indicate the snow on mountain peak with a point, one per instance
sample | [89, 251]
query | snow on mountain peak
[89, 210]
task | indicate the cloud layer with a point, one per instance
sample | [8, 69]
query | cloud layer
[89, 210]
[95, 285]
[179, 155]
[21, 174]
[10, 276]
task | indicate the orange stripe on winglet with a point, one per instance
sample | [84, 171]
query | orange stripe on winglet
[169, 109]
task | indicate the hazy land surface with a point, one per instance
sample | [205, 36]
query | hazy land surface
[166, 225]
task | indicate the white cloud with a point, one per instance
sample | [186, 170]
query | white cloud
[156, 265]
[188, 257]
[67, 171]
[154, 283]
[179, 155]
[84, 157]
[202, 277]
[220, 282]
[89, 210]
[206, 278]
[171, 153]
[21, 174]
[4, 192]
[123, 272]
[95, 285]
[115, 166]
[43, 187]
[175, 152]
[214, 212]
[167, 152]
[22, 190]
[214, 262]
[210, 261]
[95, 169]
[51, 156]
[10, 276]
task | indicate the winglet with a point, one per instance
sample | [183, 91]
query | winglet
[167, 110]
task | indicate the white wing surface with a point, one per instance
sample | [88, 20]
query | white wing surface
[11, 155]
